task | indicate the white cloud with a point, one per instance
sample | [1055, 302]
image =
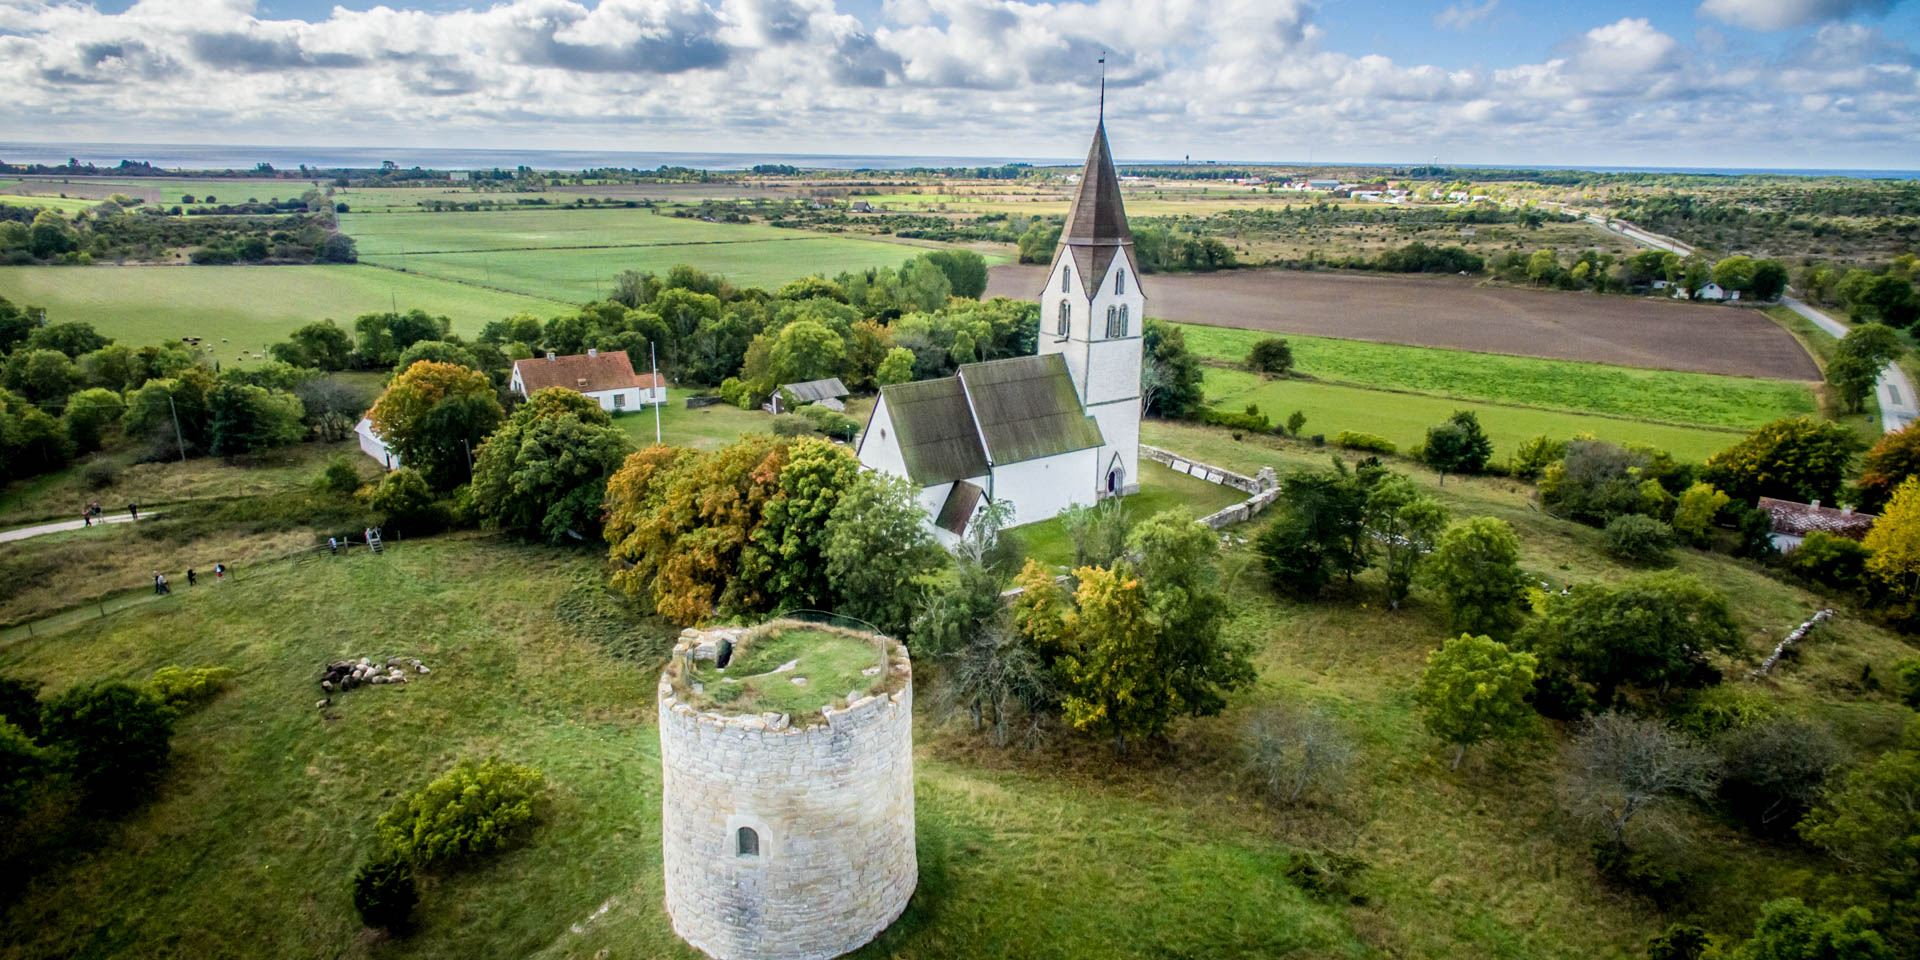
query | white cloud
[1785, 14]
[1460, 16]
[1239, 79]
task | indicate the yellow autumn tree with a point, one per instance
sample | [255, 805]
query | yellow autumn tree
[1895, 541]
[1119, 688]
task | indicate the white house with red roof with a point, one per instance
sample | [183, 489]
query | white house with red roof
[606, 377]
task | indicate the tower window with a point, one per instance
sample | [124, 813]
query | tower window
[1066, 318]
[1120, 281]
[1123, 321]
[1113, 315]
[1066, 279]
[746, 843]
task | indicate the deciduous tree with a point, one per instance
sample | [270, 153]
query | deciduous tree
[1475, 689]
[1475, 567]
[544, 471]
[1895, 541]
[1891, 461]
[1650, 631]
[1623, 768]
[433, 414]
[1793, 458]
[1458, 445]
[879, 553]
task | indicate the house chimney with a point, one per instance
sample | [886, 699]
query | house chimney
[1846, 509]
[549, 356]
[593, 352]
[1816, 504]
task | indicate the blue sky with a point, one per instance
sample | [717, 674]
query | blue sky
[1726, 83]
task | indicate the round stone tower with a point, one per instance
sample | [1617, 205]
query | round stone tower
[786, 755]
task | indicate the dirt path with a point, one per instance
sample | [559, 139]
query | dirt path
[1452, 312]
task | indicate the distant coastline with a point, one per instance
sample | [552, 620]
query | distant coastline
[243, 157]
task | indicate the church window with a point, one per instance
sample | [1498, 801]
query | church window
[746, 842]
[1113, 315]
[1066, 279]
[1120, 281]
[1123, 321]
[1066, 317]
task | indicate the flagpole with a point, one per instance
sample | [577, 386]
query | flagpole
[653, 353]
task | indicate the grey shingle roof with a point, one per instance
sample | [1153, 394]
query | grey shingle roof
[1097, 215]
[936, 432]
[1027, 408]
[813, 391]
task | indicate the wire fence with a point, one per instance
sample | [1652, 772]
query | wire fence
[149, 599]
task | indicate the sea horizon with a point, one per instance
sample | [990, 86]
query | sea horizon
[243, 157]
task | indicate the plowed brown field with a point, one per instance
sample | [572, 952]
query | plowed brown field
[1452, 312]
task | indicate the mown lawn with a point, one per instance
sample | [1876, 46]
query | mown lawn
[1404, 417]
[1160, 489]
[1666, 396]
[710, 427]
[240, 311]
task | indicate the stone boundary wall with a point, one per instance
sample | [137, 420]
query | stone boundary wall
[831, 806]
[1264, 487]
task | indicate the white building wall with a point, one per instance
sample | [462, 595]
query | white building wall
[373, 446]
[606, 399]
[1040, 489]
[880, 444]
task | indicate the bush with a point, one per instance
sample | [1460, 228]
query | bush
[340, 476]
[1326, 876]
[20, 704]
[734, 393]
[471, 809]
[1712, 711]
[100, 474]
[1909, 673]
[1638, 539]
[790, 425]
[1533, 456]
[21, 765]
[182, 688]
[385, 894]
[402, 497]
[1295, 421]
[1271, 355]
[1634, 871]
[114, 737]
[1773, 769]
[1830, 561]
[1363, 441]
[1251, 420]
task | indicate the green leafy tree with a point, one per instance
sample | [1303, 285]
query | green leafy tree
[1176, 559]
[1475, 567]
[1790, 930]
[439, 351]
[1891, 461]
[17, 324]
[1857, 362]
[42, 376]
[22, 765]
[402, 497]
[1774, 769]
[433, 415]
[1734, 273]
[1693, 516]
[1406, 523]
[1650, 631]
[788, 562]
[1170, 379]
[1271, 355]
[1116, 687]
[966, 271]
[544, 472]
[88, 414]
[896, 368]
[1793, 458]
[1870, 822]
[1888, 299]
[113, 737]
[322, 345]
[248, 419]
[878, 553]
[1534, 456]
[73, 338]
[806, 350]
[1318, 530]
[1458, 445]
[1475, 689]
[1036, 245]
[472, 809]
[1769, 280]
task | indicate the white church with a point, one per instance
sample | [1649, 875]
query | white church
[1045, 432]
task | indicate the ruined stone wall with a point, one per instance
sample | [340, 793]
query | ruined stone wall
[831, 803]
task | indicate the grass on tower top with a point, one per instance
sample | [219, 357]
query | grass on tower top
[832, 662]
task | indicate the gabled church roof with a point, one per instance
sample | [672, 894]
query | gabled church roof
[998, 412]
[1096, 230]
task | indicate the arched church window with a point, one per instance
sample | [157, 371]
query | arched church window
[1120, 281]
[1066, 317]
[1113, 314]
[1066, 279]
[746, 842]
[1123, 321]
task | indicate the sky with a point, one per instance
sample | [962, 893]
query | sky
[1727, 83]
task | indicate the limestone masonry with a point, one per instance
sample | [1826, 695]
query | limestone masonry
[786, 838]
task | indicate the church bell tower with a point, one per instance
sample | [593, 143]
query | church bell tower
[1092, 311]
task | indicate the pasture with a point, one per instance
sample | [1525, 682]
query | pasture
[1404, 417]
[574, 255]
[710, 427]
[248, 307]
[1454, 313]
[1695, 399]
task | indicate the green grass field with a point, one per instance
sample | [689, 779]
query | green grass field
[249, 306]
[1404, 417]
[1697, 399]
[709, 427]
[1160, 489]
[393, 233]
[66, 205]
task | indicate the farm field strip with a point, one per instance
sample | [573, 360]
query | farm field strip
[249, 306]
[1659, 395]
[1404, 417]
[383, 233]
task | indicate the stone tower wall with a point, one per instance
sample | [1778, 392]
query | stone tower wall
[831, 802]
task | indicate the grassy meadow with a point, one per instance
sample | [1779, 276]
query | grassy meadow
[1666, 396]
[249, 307]
[1059, 852]
[1160, 489]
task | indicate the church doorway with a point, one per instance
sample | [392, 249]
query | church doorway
[1116, 480]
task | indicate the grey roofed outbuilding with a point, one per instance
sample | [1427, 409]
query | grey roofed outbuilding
[813, 391]
[997, 412]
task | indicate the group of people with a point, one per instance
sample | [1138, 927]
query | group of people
[91, 510]
[160, 586]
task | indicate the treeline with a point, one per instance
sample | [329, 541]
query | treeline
[111, 231]
[1884, 295]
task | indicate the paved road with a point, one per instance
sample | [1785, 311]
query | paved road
[1898, 404]
[22, 533]
[1648, 238]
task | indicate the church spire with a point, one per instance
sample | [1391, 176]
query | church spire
[1097, 217]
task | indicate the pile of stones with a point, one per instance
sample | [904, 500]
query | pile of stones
[343, 675]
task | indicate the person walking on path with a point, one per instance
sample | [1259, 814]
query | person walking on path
[133, 511]
[192, 578]
[219, 573]
[159, 583]
[86, 518]
[333, 545]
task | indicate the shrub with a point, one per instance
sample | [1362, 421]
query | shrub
[21, 764]
[1694, 514]
[1680, 941]
[1711, 711]
[1251, 420]
[20, 704]
[1290, 749]
[1773, 769]
[100, 474]
[402, 496]
[1363, 441]
[1295, 421]
[1638, 539]
[385, 894]
[1325, 876]
[182, 688]
[1271, 355]
[734, 392]
[1533, 456]
[469, 810]
[1828, 560]
[1909, 673]
[340, 476]
[1634, 871]
[114, 737]
[790, 425]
